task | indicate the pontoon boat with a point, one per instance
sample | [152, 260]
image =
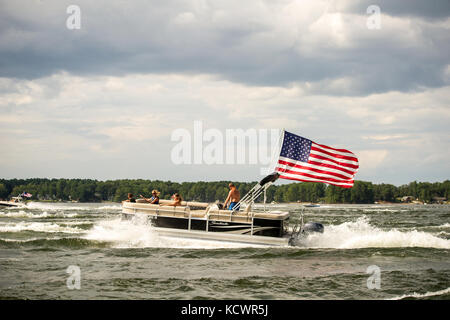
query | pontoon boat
[199, 220]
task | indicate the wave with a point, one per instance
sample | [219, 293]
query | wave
[45, 243]
[66, 207]
[424, 295]
[55, 206]
[348, 235]
[136, 234]
[38, 227]
[43, 215]
[118, 207]
[385, 210]
[50, 215]
[23, 214]
[361, 234]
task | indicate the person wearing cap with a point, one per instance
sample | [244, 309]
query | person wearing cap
[154, 199]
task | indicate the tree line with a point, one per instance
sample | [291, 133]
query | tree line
[87, 190]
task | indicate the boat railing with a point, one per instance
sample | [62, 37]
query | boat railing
[249, 199]
[211, 214]
[188, 214]
[297, 228]
[190, 217]
[158, 209]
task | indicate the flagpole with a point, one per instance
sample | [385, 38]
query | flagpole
[280, 146]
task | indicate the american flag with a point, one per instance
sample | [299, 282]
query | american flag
[26, 194]
[304, 160]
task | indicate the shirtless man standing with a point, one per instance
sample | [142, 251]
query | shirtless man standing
[233, 197]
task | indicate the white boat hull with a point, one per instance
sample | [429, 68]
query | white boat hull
[11, 204]
[221, 236]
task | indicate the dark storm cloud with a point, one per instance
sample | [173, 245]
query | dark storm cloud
[252, 44]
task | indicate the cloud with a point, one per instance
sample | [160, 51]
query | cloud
[101, 102]
[370, 159]
[109, 127]
[324, 45]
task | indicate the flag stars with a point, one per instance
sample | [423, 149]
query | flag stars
[296, 147]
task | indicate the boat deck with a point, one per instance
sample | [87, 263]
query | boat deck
[209, 213]
[211, 223]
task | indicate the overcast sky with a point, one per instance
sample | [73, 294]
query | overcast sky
[102, 101]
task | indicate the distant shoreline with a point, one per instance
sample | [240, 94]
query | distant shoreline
[88, 190]
[259, 203]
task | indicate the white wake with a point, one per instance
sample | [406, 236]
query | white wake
[424, 295]
[361, 234]
[136, 234]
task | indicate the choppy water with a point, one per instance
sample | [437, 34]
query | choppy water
[124, 260]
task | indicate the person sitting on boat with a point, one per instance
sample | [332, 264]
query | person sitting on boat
[130, 198]
[154, 199]
[176, 200]
[233, 197]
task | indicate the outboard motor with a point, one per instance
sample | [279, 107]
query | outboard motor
[310, 227]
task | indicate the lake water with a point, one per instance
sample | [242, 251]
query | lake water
[407, 246]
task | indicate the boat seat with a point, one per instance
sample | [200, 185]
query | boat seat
[272, 215]
[263, 215]
[212, 213]
[198, 213]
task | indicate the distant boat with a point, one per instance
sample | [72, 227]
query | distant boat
[14, 202]
[8, 204]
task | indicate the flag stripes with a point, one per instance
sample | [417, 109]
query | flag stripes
[304, 160]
